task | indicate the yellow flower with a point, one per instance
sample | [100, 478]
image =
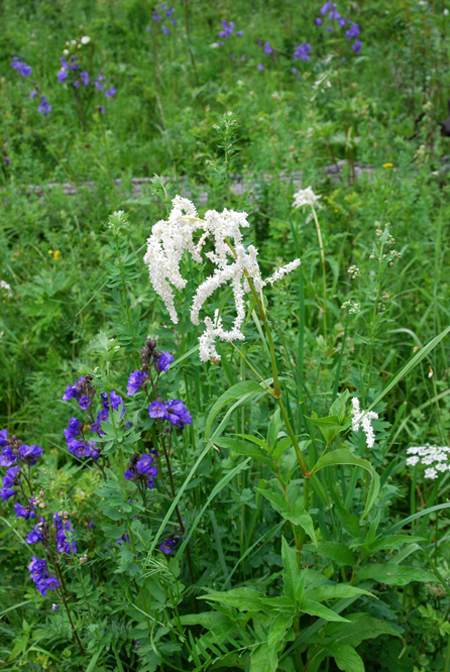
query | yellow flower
[50, 251]
[388, 165]
[84, 240]
[56, 255]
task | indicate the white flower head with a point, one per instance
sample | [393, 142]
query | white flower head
[7, 288]
[305, 197]
[85, 39]
[436, 458]
[363, 419]
[234, 264]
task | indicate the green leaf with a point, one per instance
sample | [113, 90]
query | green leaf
[316, 609]
[255, 439]
[244, 599]
[295, 513]
[293, 577]
[239, 391]
[261, 660]
[394, 575]
[349, 522]
[330, 592]
[339, 553]
[278, 628]
[361, 626]
[245, 448]
[329, 427]
[344, 456]
[346, 657]
[393, 542]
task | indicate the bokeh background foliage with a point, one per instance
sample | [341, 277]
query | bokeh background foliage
[374, 115]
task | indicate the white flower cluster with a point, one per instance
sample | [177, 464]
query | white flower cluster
[436, 458]
[234, 264]
[305, 197]
[4, 285]
[363, 418]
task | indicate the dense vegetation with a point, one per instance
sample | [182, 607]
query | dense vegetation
[277, 498]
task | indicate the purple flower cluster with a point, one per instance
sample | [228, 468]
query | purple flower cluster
[37, 533]
[161, 362]
[11, 451]
[331, 14]
[173, 410]
[64, 541]
[168, 14]
[25, 70]
[24, 511]
[72, 66]
[82, 391]
[21, 67]
[169, 545]
[302, 51]
[39, 574]
[142, 468]
[227, 31]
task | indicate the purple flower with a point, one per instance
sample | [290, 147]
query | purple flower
[155, 16]
[173, 20]
[55, 607]
[72, 430]
[303, 51]
[23, 511]
[84, 76]
[165, 30]
[84, 403]
[73, 66]
[267, 48]
[64, 63]
[98, 83]
[125, 537]
[33, 94]
[342, 22]
[239, 33]
[72, 391]
[177, 413]
[44, 108]
[3, 437]
[21, 67]
[260, 66]
[77, 84]
[62, 75]
[6, 493]
[164, 361]
[319, 22]
[148, 28]
[227, 29]
[29, 454]
[102, 416]
[79, 449]
[136, 380]
[41, 577]
[63, 525]
[353, 31]
[102, 109]
[295, 71]
[326, 7]
[168, 546]
[156, 409]
[334, 15]
[36, 533]
[112, 91]
[357, 46]
[329, 29]
[7, 457]
[11, 477]
[6, 160]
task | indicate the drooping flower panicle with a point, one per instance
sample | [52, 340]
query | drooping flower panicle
[235, 264]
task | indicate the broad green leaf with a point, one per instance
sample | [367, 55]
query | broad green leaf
[338, 407]
[349, 522]
[278, 627]
[361, 626]
[295, 513]
[334, 550]
[316, 609]
[346, 657]
[208, 619]
[394, 575]
[255, 439]
[344, 456]
[393, 542]
[261, 660]
[293, 577]
[238, 391]
[244, 599]
[329, 592]
[301, 518]
[245, 448]
[329, 427]
[283, 444]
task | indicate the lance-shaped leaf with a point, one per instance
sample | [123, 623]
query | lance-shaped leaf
[394, 575]
[347, 659]
[344, 456]
[245, 448]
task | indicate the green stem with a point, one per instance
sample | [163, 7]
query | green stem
[324, 275]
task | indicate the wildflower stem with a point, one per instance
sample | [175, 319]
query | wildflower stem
[252, 368]
[324, 276]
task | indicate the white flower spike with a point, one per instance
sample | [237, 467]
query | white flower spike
[363, 418]
[305, 197]
[234, 264]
